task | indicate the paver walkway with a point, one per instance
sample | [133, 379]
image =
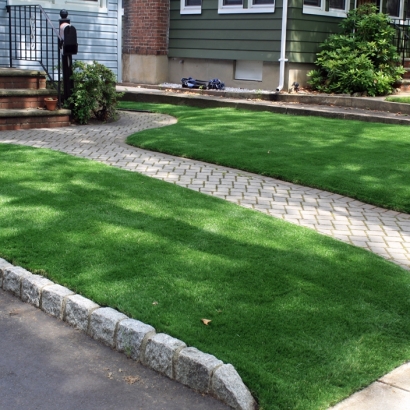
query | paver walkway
[381, 231]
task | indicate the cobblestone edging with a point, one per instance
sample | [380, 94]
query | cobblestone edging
[158, 351]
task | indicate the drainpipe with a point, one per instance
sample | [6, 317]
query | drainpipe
[120, 13]
[282, 59]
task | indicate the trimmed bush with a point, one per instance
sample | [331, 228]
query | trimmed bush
[94, 93]
[361, 59]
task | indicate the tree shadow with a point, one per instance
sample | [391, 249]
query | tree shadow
[288, 307]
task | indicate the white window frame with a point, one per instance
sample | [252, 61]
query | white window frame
[247, 6]
[99, 6]
[401, 11]
[321, 11]
[190, 9]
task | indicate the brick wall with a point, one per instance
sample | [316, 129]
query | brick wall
[146, 27]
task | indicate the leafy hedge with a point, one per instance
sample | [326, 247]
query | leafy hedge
[94, 93]
[360, 59]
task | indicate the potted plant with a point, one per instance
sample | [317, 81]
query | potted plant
[51, 103]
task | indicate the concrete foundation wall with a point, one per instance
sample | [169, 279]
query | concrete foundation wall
[145, 69]
[298, 73]
[205, 69]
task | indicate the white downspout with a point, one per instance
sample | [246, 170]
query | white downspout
[282, 59]
[120, 13]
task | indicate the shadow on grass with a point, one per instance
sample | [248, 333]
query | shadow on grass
[305, 319]
[361, 160]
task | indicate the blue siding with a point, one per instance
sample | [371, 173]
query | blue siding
[96, 34]
[4, 22]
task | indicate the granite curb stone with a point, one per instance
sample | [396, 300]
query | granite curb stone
[195, 368]
[228, 387]
[78, 310]
[103, 325]
[53, 300]
[32, 288]
[12, 278]
[130, 337]
[160, 352]
[3, 265]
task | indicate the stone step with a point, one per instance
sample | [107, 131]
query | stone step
[21, 98]
[403, 85]
[12, 78]
[22, 119]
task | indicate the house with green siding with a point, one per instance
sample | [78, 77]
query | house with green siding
[242, 42]
[259, 44]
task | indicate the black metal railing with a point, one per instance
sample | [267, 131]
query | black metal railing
[34, 39]
[402, 38]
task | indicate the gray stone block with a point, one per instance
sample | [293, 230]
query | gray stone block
[78, 310]
[53, 300]
[32, 287]
[130, 336]
[3, 265]
[160, 352]
[12, 278]
[194, 368]
[228, 387]
[103, 325]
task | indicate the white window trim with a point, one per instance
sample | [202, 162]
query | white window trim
[190, 9]
[246, 7]
[99, 6]
[321, 11]
[401, 10]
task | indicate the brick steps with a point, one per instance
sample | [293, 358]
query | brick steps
[15, 98]
[22, 119]
[22, 106]
[17, 78]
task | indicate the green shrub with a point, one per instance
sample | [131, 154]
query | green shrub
[94, 92]
[360, 59]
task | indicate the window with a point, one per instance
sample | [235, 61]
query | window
[191, 6]
[334, 8]
[393, 8]
[245, 6]
[249, 70]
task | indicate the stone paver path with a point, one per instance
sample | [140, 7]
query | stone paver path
[381, 231]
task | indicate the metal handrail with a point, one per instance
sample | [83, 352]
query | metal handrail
[33, 37]
[402, 37]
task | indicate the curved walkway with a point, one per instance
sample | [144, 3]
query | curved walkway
[381, 231]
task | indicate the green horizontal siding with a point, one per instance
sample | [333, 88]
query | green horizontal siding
[224, 36]
[247, 36]
[306, 32]
[227, 54]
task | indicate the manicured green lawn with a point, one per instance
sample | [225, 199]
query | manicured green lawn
[305, 319]
[367, 161]
[392, 98]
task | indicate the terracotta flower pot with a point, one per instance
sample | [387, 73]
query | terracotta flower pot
[51, 103]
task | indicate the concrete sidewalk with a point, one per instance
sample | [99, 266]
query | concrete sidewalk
[390, 392]
[384, 232]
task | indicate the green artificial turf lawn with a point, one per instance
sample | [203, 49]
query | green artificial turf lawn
[405, 100]
[367, 161]
[305, 319]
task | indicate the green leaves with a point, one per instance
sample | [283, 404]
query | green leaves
[361, 59]
[94, 92]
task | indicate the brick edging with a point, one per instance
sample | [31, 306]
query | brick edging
[139, 341]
